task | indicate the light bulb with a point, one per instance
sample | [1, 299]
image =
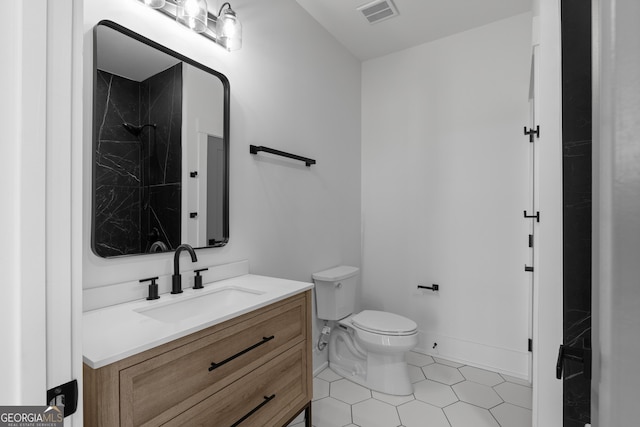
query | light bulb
[191, 7]
[156, 4]
[193, 14]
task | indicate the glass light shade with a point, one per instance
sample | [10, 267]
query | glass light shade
[156, 4]
[229, 30]
[193, 14]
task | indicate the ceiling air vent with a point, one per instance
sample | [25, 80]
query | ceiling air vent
[378, 10]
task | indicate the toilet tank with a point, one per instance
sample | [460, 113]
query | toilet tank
[336, 292]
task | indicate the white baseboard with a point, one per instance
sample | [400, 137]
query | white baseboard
[501, 360]
[478, 355]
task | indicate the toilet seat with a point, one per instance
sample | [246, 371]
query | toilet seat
[381, 322]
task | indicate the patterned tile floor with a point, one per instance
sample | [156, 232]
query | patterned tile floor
[446, 394]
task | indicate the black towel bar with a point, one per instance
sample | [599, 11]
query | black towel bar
[254, 149]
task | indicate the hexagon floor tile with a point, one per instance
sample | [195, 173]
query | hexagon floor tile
[516, 394]
[415, 374]
[434, 393]
[452, 395]
[443, 374]
[417, 359]
[477, 394]
[392, 400]
[329, 412]
[419, 414]
[509, 415]
[374, 413]
[320, 388]
[462, 414]
[481, 376]
[349, 392]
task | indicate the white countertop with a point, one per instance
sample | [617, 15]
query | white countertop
[114, 333]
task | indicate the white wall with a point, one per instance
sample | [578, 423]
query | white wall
[444, 185]
[616, 297]
[293, 87]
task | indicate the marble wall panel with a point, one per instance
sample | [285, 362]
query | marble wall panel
[577, 201]
[137, 178]
[117, 220]
[163, 106]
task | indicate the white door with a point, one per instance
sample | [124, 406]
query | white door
[40, 307]
[531, 207]
[64, 202]
[547, 286]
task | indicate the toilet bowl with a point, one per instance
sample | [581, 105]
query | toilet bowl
[374, 359]
[369, 347]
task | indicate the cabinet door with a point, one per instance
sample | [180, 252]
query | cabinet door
[261, 399]
[160, 388]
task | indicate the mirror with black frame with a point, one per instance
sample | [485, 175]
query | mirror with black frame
[160, 148]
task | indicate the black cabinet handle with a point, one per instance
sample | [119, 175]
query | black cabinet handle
[246, 350]
[251, 412]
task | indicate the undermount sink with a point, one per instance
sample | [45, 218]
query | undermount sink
[220, 299]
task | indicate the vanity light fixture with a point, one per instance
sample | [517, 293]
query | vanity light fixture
[224, 29]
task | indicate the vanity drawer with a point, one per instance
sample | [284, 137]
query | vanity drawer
[156, 390]
[263, 398]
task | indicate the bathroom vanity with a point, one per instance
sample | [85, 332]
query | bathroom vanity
[246, 361]
[236, 352]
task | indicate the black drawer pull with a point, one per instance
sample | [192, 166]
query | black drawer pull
[215, 365]
[251, 412]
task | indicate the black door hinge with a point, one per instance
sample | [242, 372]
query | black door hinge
[64, 395]
[530, 240]
[530, 345]
[532, 132]
[536, 216]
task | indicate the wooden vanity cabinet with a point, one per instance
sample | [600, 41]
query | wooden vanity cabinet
[254, 370]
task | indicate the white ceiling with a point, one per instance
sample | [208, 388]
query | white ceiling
[126, 57]
[419, 21]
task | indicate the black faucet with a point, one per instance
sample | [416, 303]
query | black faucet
[176, 279]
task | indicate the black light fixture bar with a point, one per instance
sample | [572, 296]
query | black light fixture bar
[170, 9]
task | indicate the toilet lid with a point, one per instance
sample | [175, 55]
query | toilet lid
[385, 323]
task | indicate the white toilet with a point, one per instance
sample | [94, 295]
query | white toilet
[367, 348]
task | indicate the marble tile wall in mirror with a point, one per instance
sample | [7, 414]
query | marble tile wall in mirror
[138, 177]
